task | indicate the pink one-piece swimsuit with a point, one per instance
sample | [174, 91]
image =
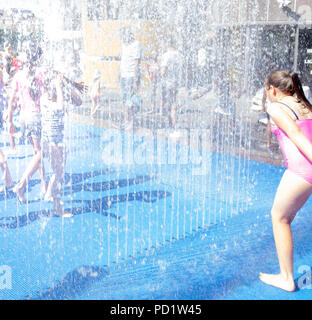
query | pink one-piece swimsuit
[294, 159]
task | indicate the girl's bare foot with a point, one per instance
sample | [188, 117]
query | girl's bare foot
[62, 213]
[6, 187]
[278, 280]
[43, 188]
[20, 194]
[9, 185]
[59, 211]
[48, 197]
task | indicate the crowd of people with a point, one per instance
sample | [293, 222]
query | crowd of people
[166, 70]
[34, 95]
[38, 95]
[164, 73]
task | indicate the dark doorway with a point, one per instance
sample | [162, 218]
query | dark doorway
[305, 56]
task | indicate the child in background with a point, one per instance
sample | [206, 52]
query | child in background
[291, 118]
[95, 92]
[153, 73]
[26, 86]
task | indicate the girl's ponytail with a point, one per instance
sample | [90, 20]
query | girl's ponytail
[298, 90]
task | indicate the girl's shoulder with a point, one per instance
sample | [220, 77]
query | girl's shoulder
[301, 110]
[279, 110]
[272, 106]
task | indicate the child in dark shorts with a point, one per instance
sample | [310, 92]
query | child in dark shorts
[53, 146]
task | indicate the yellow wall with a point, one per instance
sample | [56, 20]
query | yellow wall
[103, 47]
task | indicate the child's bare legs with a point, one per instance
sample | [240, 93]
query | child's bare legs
[57, 161]
[35, 164]
[57, 156]
[95, 95]
[8, 182]
[37, 149]
[292, 193]
[95, 101]
[172, 117]
[12, 142]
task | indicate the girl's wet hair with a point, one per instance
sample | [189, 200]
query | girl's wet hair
[288, 82]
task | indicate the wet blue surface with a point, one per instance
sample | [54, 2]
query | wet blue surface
[146, 230]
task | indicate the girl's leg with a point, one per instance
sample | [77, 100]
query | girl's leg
[40, 168]
[48, 194]
[8, 182]
[12, 142]
[58, 159]
[30, 170]
[95, 104]
[172, 116]
[58, 166]
[34, 165]
[291, 195]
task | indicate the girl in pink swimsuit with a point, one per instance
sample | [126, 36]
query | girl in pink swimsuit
[294, 159]
[291, 114]
[26, 85]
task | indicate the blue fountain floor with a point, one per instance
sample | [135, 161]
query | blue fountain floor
[146, 231]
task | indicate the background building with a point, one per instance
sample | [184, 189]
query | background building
[18, 26]
[243, 39]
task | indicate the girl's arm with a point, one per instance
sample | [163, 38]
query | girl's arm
[268, 134]
[75, 89]
[284, 121]
[264, 98]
